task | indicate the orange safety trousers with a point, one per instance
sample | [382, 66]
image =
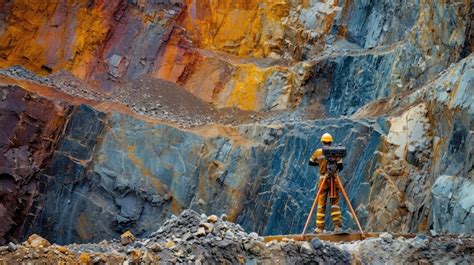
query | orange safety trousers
[335, 210]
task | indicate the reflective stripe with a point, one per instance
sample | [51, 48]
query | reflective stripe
[335, 206]
[321, 214]
[335, 213]
[320, 221]
[320, 157]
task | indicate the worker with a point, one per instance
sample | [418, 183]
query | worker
[318, 159]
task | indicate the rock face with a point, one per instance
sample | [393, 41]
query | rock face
[105, 169]
[426, 163]
[65, 175]
[252, 55]
[256, 174]
[452, 203]
[31, 127]
[390, 80]
[452, 196]
[90, 40]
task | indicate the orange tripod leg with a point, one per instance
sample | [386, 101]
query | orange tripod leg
[313, 207]
[332, 189]
[350, 206]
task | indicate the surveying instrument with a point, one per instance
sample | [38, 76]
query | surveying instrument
[332, 155]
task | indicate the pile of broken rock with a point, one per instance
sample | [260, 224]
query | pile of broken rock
[191, 238]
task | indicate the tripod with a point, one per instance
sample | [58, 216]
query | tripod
[334, 182]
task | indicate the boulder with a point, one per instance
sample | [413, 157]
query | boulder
[37, 241]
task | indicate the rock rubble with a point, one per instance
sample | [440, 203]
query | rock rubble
[191, 238]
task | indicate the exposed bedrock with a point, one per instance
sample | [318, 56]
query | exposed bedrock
[410, 171]
[122, 173]
[395, 79]
[31, 126]
[453, 199]
[254, 55]
[426, 165]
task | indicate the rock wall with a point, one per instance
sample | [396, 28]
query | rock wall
[92, 40]
[31, 127]
[452, 200]
[105, 168]
[394, 78]
[251, 55]
[426, 165]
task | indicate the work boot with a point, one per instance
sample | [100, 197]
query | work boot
[318, 230]
[337, 229]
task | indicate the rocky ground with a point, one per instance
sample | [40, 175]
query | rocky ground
[191, 238]
[163, 100]
[146, 96]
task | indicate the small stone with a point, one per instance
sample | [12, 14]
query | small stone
[138, 244]
[200, 232]
[421, 237]
[306, 248]
[179, 253]
[149, 258]
[316, 242]
[257, 248]
[253, 235]
[187, 236]
[11, 247]
[96, 259]
[170, 244]
[156, 247]
[249, 245]
[224, 217]
[127, 238]
[85, 258]
[229, 234]
[387, 237]
[62, 249]
[212, 218]
[223, 243]
[274, 245]
[135, 255]
[37, 241]
[208, 227]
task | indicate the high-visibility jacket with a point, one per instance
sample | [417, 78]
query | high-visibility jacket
[319, 159]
